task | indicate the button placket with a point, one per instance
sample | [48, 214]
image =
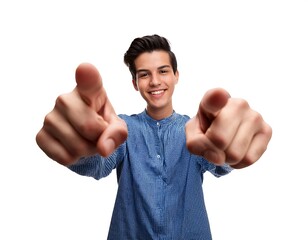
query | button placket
[158, 156]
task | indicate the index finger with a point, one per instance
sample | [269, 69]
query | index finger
[90, 85]
[211, 104]
[213, 101]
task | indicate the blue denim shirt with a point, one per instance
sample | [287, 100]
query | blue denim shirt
[160, 193]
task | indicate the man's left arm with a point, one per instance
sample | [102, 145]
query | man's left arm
[226, 130]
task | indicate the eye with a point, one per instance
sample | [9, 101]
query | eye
[142, 75]
[163, 71]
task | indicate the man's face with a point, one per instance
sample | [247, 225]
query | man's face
[156, 81]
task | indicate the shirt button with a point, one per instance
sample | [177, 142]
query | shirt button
[157, 124]
[158, 156]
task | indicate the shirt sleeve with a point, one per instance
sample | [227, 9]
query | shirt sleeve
[217, 171]
[97, 166]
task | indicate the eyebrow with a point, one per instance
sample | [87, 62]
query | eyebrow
[159, 68]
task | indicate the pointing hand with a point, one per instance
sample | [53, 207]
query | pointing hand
[83, 122]
[227, 130]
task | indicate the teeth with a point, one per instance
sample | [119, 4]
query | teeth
[157, 92]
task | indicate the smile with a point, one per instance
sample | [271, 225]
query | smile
[157, 92]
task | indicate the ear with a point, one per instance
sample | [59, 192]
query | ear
[135, 84]
[177, 75]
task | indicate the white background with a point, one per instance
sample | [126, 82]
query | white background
[258, 50]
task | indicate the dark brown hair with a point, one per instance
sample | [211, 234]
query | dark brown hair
[148, 43]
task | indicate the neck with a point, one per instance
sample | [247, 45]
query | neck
[159, 114]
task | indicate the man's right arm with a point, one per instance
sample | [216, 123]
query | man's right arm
[83, 122]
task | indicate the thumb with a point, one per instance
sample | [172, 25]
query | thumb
[211, 104]
[90, 86]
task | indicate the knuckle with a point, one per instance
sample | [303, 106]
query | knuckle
[40, 139]
[241, 162]
[249, 160]
[234, 156]
[240, 103]
[47, 120]
[62, 100]
[241, 107]
[268, 130]
[219, 140]
[256, 118]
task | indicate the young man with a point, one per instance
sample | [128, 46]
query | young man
[160, 156]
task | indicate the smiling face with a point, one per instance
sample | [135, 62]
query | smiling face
[155, 80]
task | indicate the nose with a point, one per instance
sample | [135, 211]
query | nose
[155, 80]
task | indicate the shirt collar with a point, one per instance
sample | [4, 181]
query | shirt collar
[163, 121]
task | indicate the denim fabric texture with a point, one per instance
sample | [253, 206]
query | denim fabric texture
[160, 193]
